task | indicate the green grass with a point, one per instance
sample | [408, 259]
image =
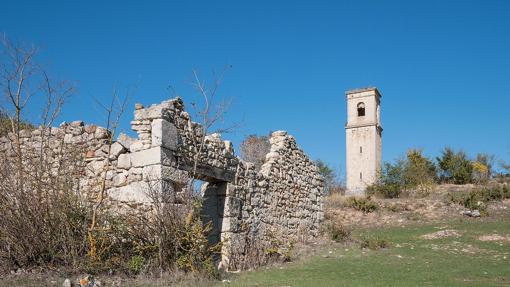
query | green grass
[409, 261]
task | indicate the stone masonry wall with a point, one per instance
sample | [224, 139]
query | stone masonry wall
[283, 199]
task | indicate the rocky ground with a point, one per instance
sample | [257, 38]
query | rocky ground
[435, 207]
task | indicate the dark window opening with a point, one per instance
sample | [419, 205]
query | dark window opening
[360, 149]
[361, 110]
[360, 175]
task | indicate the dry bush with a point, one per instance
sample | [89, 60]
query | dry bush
[364, 204]
[337, 231]
[256, 252]
[373, 242]
[335, 201]
[43, 219]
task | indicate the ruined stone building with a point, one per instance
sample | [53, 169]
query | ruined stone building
[363, 133]
[245, 205]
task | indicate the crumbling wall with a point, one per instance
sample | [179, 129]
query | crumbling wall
[283, 199]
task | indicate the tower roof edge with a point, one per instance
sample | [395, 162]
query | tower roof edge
[361, 90]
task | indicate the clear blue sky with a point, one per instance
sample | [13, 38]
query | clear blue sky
[442, 66]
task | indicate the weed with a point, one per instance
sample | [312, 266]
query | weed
[373, 242]
[338, 232]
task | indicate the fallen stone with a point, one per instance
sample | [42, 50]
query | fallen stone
[76, 124]
[472, 213]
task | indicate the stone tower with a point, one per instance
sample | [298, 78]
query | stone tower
[363, 134]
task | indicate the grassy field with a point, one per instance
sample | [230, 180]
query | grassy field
[409, 261]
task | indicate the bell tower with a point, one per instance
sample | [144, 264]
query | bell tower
[363, 136]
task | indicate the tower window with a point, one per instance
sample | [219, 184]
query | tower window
[361, 109]
[360, 149]
[360, 175]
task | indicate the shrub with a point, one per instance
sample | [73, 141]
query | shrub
[338, 232]
[43, 220]
[455, 167]
[136, 264]
[373, 242]
[331, 184]
[478, 198]
[364, 204]
[420, 172]
[415, 171]
[195, 254]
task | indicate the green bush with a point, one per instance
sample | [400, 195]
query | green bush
[478, 198]
[455, 167]
[414, 172]
[195, 254]
[136, 264]
[365, 204]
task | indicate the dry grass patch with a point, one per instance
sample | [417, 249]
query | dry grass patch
[495, 237]
[442, 234]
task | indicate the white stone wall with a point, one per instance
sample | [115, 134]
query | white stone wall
[244, 205]
[363, 140]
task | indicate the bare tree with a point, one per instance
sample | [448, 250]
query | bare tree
[38, 205]
[23, 79]
[208, 111]
[113, 113]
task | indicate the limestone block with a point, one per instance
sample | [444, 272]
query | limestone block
[90, 129]
[124, 161]
[152, 112]
[146, 157]
[78, 139]
[272, 155]
[175, 175]
[134, 192]
[232, 207]
[116, 149]
[230, 224]
[164, 134]
[36, 132]
[155, 155]
[136, 146]
[75, 130]
[134, 177]
[101, 133]
[68, 138]
[120, 179]
[140, 127]
[76, 124]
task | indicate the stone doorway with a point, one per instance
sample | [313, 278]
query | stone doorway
[213, 206]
